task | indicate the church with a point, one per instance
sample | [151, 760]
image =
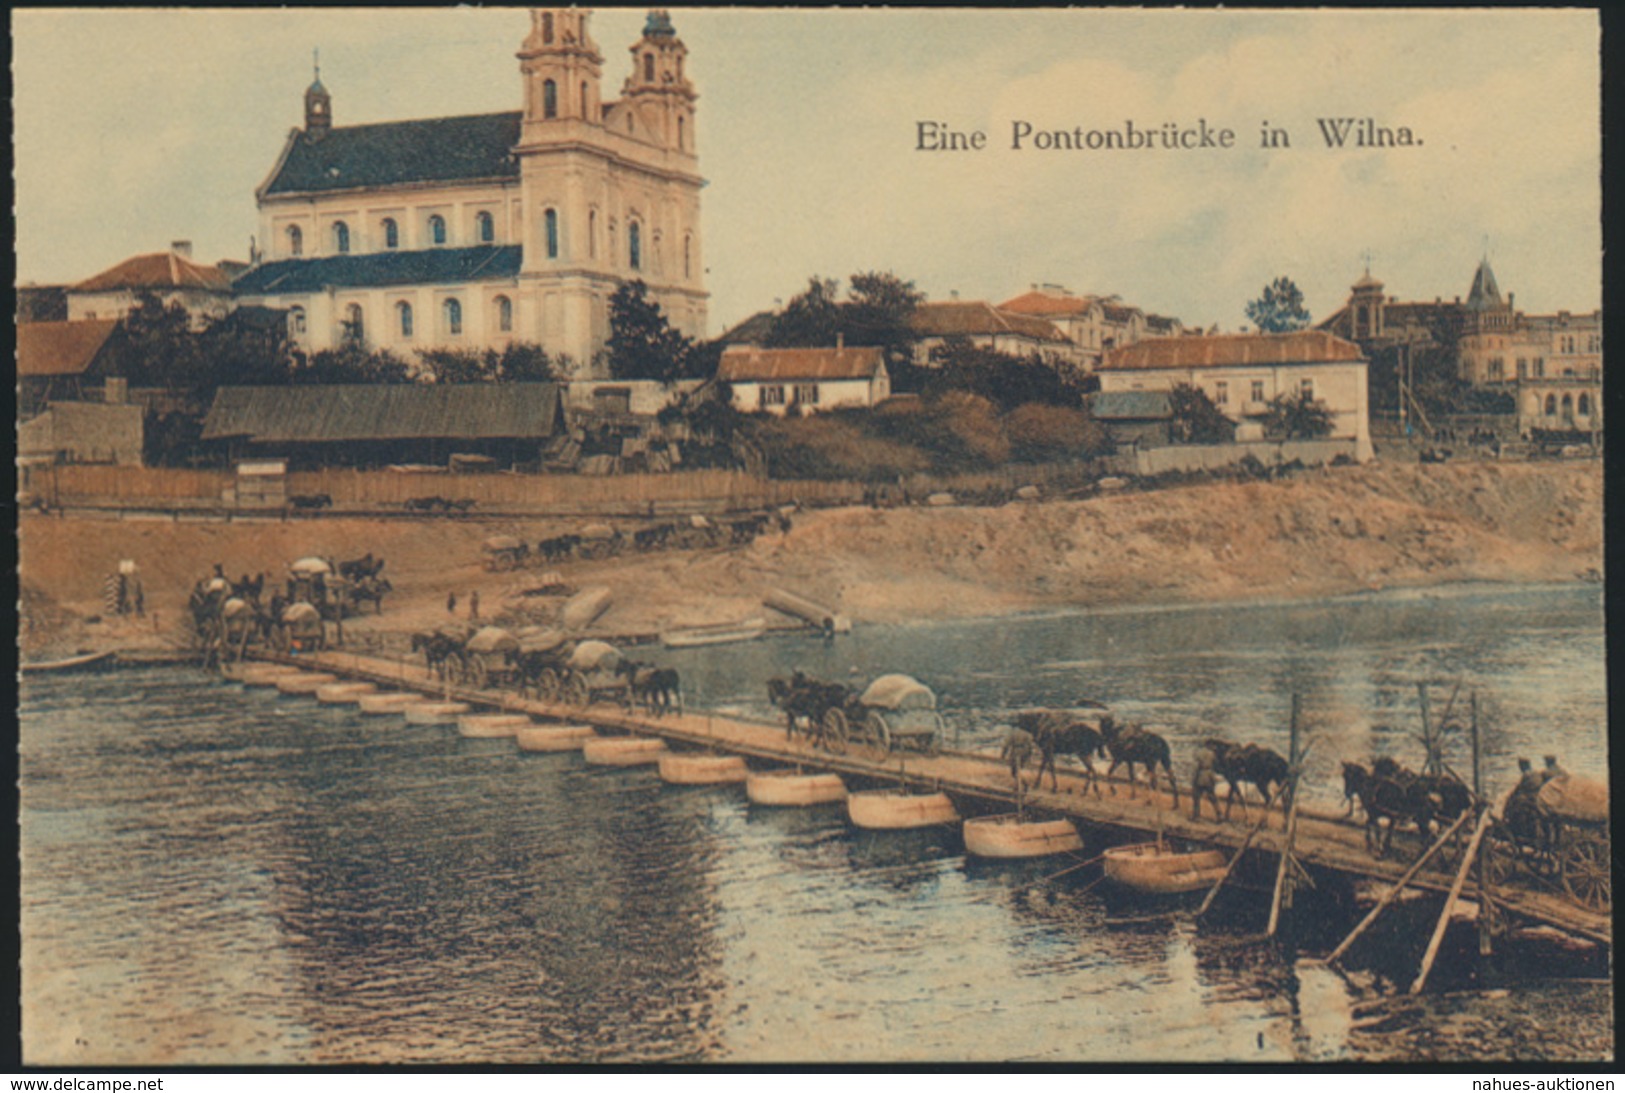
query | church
[481, 230]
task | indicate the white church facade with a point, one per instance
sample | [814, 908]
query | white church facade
[481, 230]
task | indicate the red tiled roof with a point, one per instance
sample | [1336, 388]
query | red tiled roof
[1234, 350]
[1049, 303]
[61, 348]
[946, 319]
[165, 271]
[751, 365]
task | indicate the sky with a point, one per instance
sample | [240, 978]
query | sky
[137, 127]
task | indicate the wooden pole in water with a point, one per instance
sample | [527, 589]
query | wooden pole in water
[1399, 886]
[1236, 857]
[1430, 765]
[1283, 880]
[1486, 941]
[1450, 902]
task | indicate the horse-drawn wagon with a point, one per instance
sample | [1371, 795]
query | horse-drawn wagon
[301, 628]
[544, 662]
[505, 552]
[490, 656]
[594, 672]
[1558, 835]
[895, 711]
[599, 541]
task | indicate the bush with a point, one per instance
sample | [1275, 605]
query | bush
[1045, 434]
[832, 446]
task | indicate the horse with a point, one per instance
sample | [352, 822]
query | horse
[438, 652]
[560, 546]
[1239, 764]
[1130, 745]
[659, 689]
[371, 588]
[802, 696]
[1057, 732]
[1386, 798]
[361, 568]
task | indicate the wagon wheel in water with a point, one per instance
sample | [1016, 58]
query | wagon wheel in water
[547, 685]
[836, 731]
[878, 731]
[574, 691]
[1585, 869]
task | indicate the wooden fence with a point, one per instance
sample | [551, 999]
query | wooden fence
[699, 490]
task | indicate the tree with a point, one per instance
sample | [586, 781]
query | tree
[352, 364]
[1195, 419]
[1297, 417]
[160, 349]
[1003, 378]
[1279, 309]
[642, 344]
[810, 320]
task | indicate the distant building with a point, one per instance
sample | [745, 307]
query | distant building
[171, 276]
[382, 423]
[988, 327]
[1096, 325]
[481, 230]
[1243, 373]
[774, 380]
[84, 432]
[42, 303]
[1550, 365]
[62, 361]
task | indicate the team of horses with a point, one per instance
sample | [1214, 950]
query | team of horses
[446, 656]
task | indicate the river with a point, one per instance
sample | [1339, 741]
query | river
[213, 875]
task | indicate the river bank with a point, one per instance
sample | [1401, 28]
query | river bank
[1315, 534]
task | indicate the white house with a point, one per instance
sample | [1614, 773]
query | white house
[1243, 373]
[988, 327]
[773, 380]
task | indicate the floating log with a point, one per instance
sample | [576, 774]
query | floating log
[814, 614]
[582, 609]
[390, 702]
[1160, 870]
[434, 713]
[793, 789]
[493, 726]
[304, 683]
[1009, 836]
[703, 770]
[623, 751]
[720, 634]
[555, 738]
[891, 810]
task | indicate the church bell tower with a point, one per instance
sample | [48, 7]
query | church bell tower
[562, 69]
[658, 89]
[318, 106]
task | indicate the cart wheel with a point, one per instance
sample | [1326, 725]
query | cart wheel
[836, 731]
[1500, 862]
[479, 674]
[1586, 877]
[547, 685]
[575, 691]
[878, 732]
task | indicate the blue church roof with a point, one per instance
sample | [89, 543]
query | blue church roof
[458, 149]
[442, 266]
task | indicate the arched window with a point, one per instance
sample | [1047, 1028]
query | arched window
[592, 234]
[355, 328]
[679, 134]
[504, 314]
[1568, 405]
[341, 237]
[437, 230]
[634, 244]
[550, 219]
[547, 28]
[486, 227]
[612, 252]
[392, 234]
[688, 256]
[584, 111]
[296, 240]
[296, 320]
[454, 317]
[648, 68]
[403, 315]
[550, 99]
[1583, 407]
[1551, 405]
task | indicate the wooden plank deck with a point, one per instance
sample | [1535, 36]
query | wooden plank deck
[1324, 840]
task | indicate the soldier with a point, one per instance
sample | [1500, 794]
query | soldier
[474, 604]
[1204, 783]
[1552, 769]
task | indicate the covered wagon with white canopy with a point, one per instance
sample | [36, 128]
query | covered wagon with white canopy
[895, 711]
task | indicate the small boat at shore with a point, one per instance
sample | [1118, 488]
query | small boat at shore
[720, 634]
[83, 662]
[1159, 869]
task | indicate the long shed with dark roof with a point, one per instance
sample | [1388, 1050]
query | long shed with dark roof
[387, 423]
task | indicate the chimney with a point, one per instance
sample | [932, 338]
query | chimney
[953, 294]
[1510, 296]
[181, 248]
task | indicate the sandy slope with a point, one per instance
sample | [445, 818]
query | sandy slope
[1318, 533]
